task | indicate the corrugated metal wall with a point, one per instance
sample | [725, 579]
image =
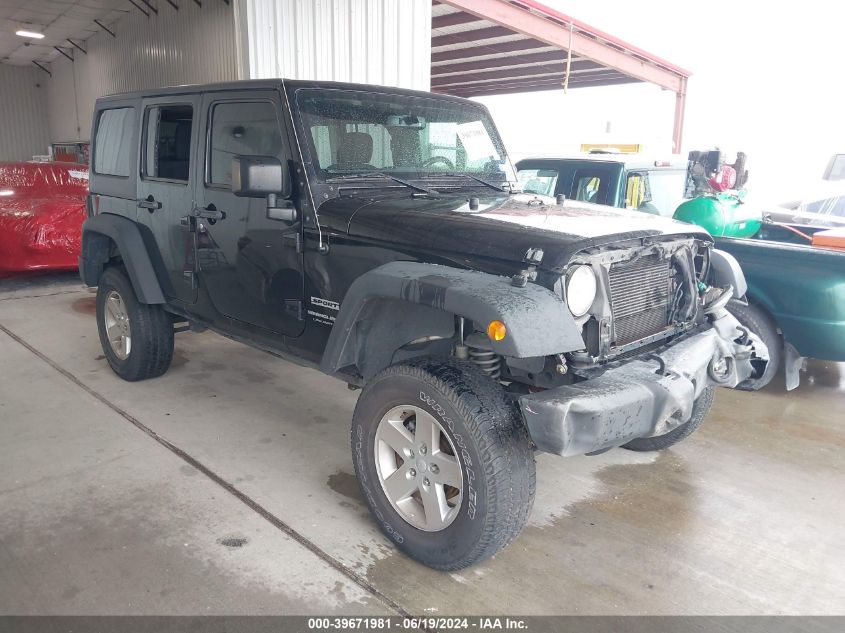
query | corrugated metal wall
[189, 46]
[385, 42]
[23, 108]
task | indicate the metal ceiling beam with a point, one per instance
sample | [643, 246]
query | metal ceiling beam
[507, 73]
[42, 68]
[452, 19]
[150, 7]
[538, 27]
[61, 50]
[140, 8]
[498, 62]
[475, 35]
[105, 28]
[77, 46]
[535, 86]
[488, 49]
[503, 78]
[173, 4]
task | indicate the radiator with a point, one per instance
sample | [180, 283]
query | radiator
[640, 292]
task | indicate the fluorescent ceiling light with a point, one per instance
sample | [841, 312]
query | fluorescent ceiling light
[6, 192]
[36, 35]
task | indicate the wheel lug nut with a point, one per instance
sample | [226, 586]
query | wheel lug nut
[426, 482]
[434, 468]
[412, 473]
[423, 449]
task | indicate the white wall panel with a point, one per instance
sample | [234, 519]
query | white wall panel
[23, 112]
[385, 42]
[189, 46]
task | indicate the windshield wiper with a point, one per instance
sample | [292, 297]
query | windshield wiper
[378, 174]
[490, 184]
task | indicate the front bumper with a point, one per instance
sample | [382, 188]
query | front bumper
[646, 396]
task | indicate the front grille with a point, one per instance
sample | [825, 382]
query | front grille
[640, 292]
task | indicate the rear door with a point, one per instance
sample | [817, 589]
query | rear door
[249, 264]
[169, 140]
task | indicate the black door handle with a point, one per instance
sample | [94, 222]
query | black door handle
[209, 212]
[149, 203]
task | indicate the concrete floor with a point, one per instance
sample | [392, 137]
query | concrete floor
[255, 509]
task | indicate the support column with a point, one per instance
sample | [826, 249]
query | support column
[680, 107]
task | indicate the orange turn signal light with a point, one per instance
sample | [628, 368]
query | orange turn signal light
[497, 330]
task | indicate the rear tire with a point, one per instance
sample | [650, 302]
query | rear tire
[761, 324]
[137, 338]
[492, 468]
[700, 409]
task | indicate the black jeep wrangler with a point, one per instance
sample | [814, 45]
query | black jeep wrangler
[379, 235]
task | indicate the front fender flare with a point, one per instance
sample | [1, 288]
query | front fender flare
[725, 270]
[537, 320]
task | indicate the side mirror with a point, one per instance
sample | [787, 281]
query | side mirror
[259, 176]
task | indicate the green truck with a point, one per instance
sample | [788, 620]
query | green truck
[796, 291]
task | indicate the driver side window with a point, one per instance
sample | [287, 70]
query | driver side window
[587, 189]
[240, 129]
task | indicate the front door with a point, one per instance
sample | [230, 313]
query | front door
[165, 191]
[248, 263]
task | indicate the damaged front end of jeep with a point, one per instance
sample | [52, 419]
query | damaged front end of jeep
[655, 334]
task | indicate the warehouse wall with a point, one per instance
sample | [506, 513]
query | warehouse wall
[188, 46]
[384, 42]
[23, 127]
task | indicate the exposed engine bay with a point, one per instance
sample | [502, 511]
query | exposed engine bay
[644, 294]
[628, 299]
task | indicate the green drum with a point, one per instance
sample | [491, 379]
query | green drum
[722, 214]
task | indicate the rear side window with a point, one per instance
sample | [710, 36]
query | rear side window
[167, 142]
[113, 142]
[240, 129]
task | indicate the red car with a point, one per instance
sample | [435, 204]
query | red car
[42, 207]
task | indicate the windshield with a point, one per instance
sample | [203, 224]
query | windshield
[538, 181]
[352, 132]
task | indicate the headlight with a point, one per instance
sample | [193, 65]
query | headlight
[580, 290]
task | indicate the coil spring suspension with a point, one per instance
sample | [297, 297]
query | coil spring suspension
[490, 362]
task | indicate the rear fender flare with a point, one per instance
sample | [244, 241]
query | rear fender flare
[97, 232]
[402, 301]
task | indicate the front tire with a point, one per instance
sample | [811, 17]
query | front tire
[761, 324]
[700, 408]
[137, 338]
[443, 460]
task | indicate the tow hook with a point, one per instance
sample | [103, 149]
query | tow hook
[721, 370]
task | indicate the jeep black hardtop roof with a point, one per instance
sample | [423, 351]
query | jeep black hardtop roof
[265, 84]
